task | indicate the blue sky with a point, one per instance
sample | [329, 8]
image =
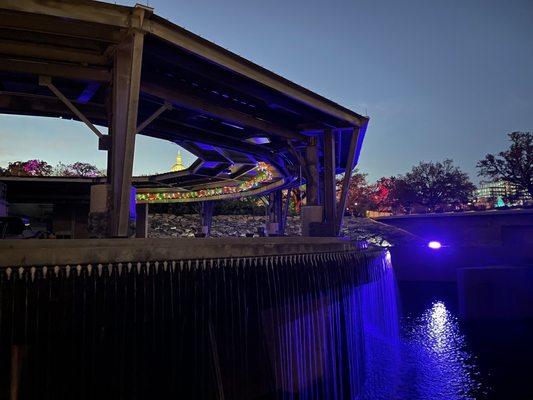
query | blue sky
[439, 79]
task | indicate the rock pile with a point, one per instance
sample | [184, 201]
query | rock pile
[187, 225]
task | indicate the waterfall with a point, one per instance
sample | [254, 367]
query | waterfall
[305, 326]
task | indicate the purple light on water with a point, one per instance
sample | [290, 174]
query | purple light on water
[434, 245]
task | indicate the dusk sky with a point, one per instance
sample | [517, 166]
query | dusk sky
[439, 79]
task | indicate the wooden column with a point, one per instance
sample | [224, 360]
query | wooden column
[350, 165]
[206, 215]
[330, 198]
[125, 103]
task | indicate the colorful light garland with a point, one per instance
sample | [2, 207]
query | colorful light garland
[264, 175]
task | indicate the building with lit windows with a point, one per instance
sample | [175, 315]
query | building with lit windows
[499, 194]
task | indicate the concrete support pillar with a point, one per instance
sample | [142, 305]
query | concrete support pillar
[311, 215]
[275, 224]
[141, 220]
[206, 214]
[313, 180]
[330, 192]
[125, 102]
[98, 224]
[313, 211]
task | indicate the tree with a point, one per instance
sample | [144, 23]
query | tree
[360, 194]
[514, 165]
[28, 168]
[78, 169]
[393, 194]
[433, 184]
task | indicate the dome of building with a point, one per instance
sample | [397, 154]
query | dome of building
[178, 166]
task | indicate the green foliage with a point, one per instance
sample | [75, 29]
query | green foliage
[432, 184]
[514, 165]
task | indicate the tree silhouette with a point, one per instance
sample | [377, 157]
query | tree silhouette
[432, 184]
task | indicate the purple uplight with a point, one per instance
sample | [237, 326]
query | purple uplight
[434, 245]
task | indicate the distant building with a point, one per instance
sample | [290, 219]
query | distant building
[499, 194]
[178, 166]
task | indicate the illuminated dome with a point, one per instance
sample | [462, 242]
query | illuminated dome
[178, 166]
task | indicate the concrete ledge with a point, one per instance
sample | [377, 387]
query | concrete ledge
[496, 292]
[15, 253]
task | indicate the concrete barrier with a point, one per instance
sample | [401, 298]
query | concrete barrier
[497, 292]
[63, 252]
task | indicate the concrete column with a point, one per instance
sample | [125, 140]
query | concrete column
[125, 102]
[141, 220]
[99, 225]
[275, 223]
[313, 211]
[206, 215]
[330, 193]
[99, 211]
[313, 181]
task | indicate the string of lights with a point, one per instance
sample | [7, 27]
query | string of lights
[264, 175]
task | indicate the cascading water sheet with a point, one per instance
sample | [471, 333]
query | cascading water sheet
[304, 326]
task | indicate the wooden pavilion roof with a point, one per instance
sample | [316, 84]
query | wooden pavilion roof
[227, 110]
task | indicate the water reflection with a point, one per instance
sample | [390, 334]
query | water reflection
[436, 363]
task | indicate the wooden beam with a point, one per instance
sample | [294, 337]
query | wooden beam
[45, 52]
[87, 11]
[226, 114]
[67, 71]
[47, 81]
[182, 133]
[330, 195]
[350, 160]
[157, 113]
[218, 55]
[225, 80]
[296, 154]
[49, 106]
[64, 28]
[125, 17]
[126, 88]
